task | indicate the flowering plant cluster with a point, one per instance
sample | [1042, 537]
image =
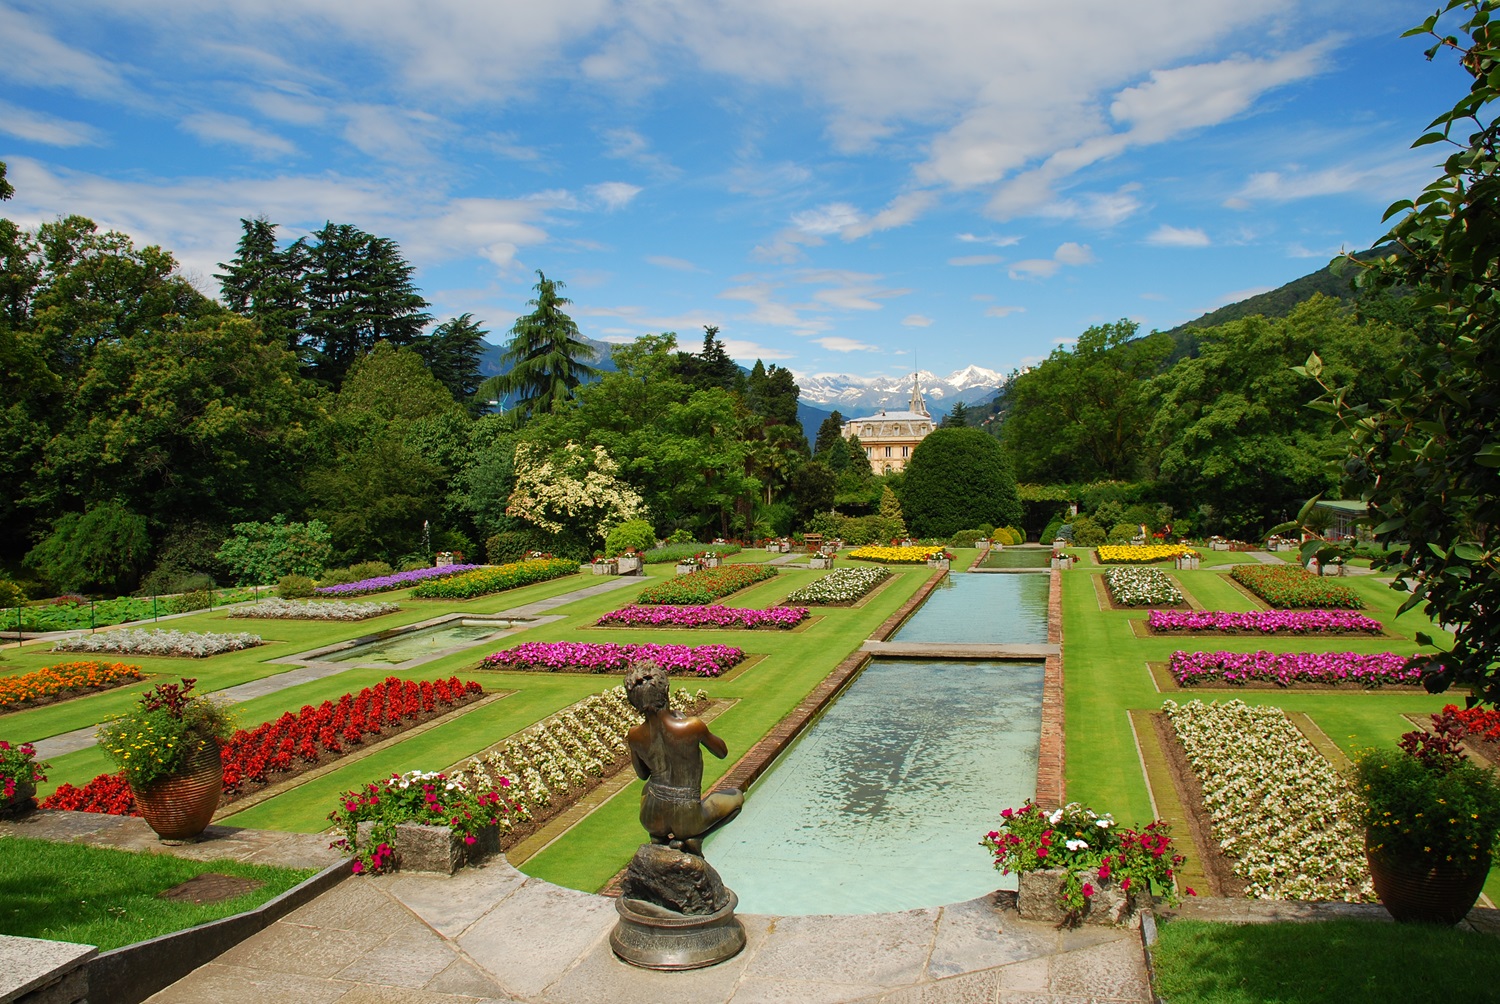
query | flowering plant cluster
[916, 554]
[1481, 722]
[607, 657]
[19, 766]
[168, 724]
[1285, 586]
[495, 579]
[706, 585]
[1277, 808]
[328, 730]
[713, 616]
[107, 793]
[572, 485]
[1139, 554]
[57, 681]
[1424, 804]
[1287, 669]
[311, 610]
[1142, 587]
[840, 586]
[396, 580]
[1261, 622]
[669, 553]
[1090, 848]
[415, 797]
[194, 644]
[540, 766]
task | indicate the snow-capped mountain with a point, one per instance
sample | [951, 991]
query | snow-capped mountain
[854, 396]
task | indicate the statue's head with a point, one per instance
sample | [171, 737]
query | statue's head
[646, 687]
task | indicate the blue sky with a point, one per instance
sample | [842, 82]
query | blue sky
[843, 187]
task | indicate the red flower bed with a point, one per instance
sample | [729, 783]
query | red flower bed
[293, 740]
[1481, 722]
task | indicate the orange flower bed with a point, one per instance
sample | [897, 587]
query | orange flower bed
[55, 682]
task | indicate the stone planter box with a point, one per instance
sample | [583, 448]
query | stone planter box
[686, 567]
[713, 561]
[1187, 562]
[937, 563]
[441, 849]
[630, 564]
[1061, 543]
[821, 561]
[984, 545]
[1040, 893]
[1063, 562]
[1216, 546]
[606, 568]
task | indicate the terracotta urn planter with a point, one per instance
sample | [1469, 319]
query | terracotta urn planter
[180, 807]
[1412, 893]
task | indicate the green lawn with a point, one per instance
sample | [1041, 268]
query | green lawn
[1342, 960]
[104, 897]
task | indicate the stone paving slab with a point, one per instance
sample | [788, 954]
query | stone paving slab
[130, 833]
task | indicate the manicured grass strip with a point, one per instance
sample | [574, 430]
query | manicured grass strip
[1169, 807]
[1217, 591]
[104, 897]
[1339, 960]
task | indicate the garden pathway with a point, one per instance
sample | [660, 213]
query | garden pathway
[493, 934]
[78, 739]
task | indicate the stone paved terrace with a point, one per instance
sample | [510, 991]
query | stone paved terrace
[493, 934]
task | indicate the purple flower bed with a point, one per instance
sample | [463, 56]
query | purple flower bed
[396, 580]
[1264, 621]
[595, 657]
[1286, 670]
[712, 616]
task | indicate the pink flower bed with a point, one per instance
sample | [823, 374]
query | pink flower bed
[1289, 669]
[596, 657]
[713, 616]
[1264, 621]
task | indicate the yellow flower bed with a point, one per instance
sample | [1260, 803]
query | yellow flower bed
[1139, 554]
[897, 555]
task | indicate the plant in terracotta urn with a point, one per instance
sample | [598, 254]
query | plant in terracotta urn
[169, 749]
[1432, 818]
[19, 773]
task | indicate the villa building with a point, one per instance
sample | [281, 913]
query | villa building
[890, 436]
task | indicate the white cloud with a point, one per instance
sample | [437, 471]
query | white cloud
[997, 240]
[1034, 268]
[825, 220]
[1100, 210]
[837, 344]
[31, 56]
[37, 127]
[1003, 311]
[916, 321]
[394, 134]
[293, 109]
[1378, 177]
[614, 194]
[627, 144]
[215, 127]
[1178, 237]
[1070, 253]
[902, 210]
[740, 350]
[676, 264]
[976, 259]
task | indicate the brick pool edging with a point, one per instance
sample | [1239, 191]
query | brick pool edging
[1050, 776]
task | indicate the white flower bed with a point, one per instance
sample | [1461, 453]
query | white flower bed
[1278, 808]
[561, 753]
[1134, 586]
[309, 610]
[842, 585]
[175, 643]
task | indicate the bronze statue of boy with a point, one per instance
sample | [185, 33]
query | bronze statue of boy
[665, 751]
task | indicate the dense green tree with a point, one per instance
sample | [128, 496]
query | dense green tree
[812, 490]
[958, 478]
[546, 356]
[359, 291]
[267, 283]
[452, 352]
[712, 367]
[1424, 457]
[772, 394]
[957, 417]
[1083, 413]
[259, 553]
[830, 440]
[105, 547]
[395, 386]
[1233, 423]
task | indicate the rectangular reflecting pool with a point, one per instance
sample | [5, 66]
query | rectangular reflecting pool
[982, 609]
[421, 643]
[880, 804]
[1018, 557]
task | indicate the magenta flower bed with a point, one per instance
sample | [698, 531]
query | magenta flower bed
[396, 580]
[713, 616]
[1264, 621]
[597, 657]
[1287, 670]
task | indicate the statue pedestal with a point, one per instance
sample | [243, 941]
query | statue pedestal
[654, 937]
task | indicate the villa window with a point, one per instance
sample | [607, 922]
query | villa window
[888, 451]
[906, 451]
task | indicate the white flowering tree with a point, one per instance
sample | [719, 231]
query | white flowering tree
[572, 489]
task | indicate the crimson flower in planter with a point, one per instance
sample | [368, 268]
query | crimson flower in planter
[19, 766]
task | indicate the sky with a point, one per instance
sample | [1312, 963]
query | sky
[841, 186]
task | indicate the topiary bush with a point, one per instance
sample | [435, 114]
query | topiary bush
[1124, 533]
[956, 476]
[1052, 530]
[966, 538]
[1087, 533]
[681, 537]
[636, 533]
[294, 587]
